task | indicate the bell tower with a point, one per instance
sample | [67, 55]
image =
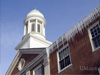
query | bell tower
[34, 31]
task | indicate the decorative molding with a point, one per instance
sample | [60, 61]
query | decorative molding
[18, 55]
[32, 50]
[21, 64]
[27, 36]
[35, 17]
[23, 41]
[34, 62]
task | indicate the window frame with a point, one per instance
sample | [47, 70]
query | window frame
[60, 70]
[90, 36]
[20, 66]
[37, 69]
[28, 72]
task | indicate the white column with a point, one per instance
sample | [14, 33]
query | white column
[29, 27]
[42, 28]
[24, 29]
[36, 25]
[46, 66]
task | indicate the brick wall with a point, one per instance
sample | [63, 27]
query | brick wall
[84, 61]
[27, 57]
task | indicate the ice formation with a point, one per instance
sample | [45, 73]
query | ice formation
[78, 27]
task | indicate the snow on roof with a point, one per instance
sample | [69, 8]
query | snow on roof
[78, 27]
[83, 23]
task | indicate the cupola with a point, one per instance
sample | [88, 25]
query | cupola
[34, 24]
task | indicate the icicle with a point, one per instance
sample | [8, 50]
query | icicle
[47, 51]
[80, 25]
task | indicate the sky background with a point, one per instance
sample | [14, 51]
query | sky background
[60, 15]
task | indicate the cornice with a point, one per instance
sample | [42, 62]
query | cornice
[18, 55]
[46, 41]
[26, 37]
[23, 41]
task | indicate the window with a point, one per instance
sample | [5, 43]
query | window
[63, 58]
[21, 64]
[33, 27]
[38, 70]
[95, 35]
[28, 73]
[38, 28]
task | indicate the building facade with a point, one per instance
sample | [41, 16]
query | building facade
[75, 52]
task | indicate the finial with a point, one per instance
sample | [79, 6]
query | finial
[34, 8]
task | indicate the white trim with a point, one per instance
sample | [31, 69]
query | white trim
[99, 70]
[13, 64]
[17, 57]
[46, 65]
[23, 41]
[32, 51]
[20, 66]
[36, 69]
[65, 68]
[28, 72]
[90, 36]
[27, 37]
[58, 58]
[80, 25]
[43, 20]
[34, 62]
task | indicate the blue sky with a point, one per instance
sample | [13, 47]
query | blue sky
[61, 15]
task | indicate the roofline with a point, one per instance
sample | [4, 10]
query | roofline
[18, 55]
[39, 58]
[78, 27]
[27, 37]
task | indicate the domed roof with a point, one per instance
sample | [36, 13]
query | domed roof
[34, 13]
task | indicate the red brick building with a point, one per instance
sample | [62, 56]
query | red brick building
[75, 52]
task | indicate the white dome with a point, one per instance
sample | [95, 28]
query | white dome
[34, 13]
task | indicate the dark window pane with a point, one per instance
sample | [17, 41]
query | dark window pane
[61, 64]
[64, 58]
[38, 28]
[67, 60]
[91, 30]
[95, 32]
[99, 31]
[33, 27]
[96, 41]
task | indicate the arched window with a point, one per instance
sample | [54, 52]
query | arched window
[21, 64]
[33, 27]
[38, 28]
